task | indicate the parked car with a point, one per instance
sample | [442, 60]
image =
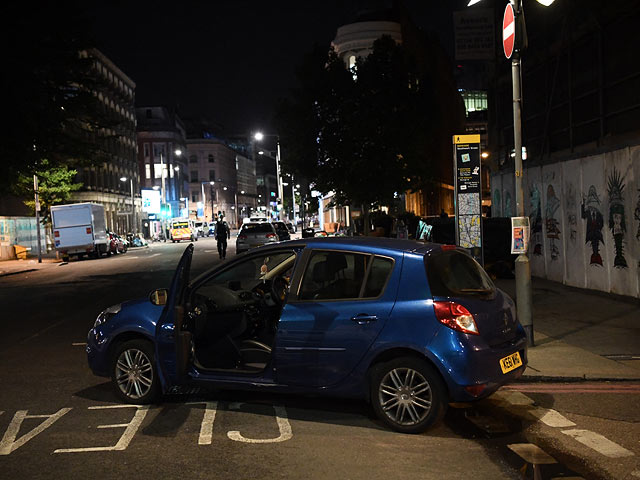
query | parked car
[282, 231]
[253, 235]
[407, 326]
[116, 244]
[212, 229]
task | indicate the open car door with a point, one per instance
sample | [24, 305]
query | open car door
[173, 344]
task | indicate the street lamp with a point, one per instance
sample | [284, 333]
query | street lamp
[133, 205]
[259, 136]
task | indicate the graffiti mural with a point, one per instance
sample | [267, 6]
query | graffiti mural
[571, 209]
[595, 221]
[552, 224]
[617, 220]
[636, 215]
[535, 220]
[507, 205]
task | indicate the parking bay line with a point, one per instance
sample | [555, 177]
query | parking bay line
[598, 443]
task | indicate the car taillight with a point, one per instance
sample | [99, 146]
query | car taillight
[242, 237]
[448, 247]
[270, 235]
[56, 233]
[455, 316]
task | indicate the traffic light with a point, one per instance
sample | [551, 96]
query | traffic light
[165, 210]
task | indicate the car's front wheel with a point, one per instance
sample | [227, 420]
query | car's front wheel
[407, 394]
[133, 372]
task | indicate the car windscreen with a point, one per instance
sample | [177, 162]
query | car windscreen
[257, 228]
[452, 273]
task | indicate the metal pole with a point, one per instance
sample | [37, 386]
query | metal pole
[523, 267]
[280, 192]
[212, 211]
[293, 200]
[133, 209]
[164, 201]
[37, 200]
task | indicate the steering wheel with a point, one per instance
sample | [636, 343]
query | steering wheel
[279, 290]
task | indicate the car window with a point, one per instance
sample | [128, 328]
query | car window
[244, 275]
[378, 275]
[453, 273]
[333, 275]
[257, 228]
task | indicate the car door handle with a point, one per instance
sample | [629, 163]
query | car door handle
[363, 318]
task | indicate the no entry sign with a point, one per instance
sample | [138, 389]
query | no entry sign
[508, 30]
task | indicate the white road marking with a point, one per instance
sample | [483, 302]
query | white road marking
[206, 428]
[79, 344]
[9, 442]
[599, 443]
[531, 453]
[551, 417]
[210, 251]
[283, 425]
[130, 430]
[155, 255]
[511, 397]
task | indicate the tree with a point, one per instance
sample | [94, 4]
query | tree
[50, 91]
[55, 185]
[363, 134]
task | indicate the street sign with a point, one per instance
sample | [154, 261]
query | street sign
[468, 194]
[508, 30]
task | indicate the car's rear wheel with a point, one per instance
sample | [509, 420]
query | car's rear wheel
[133, 372]
[407, 394]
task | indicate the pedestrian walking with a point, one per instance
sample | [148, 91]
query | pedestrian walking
[223, 232]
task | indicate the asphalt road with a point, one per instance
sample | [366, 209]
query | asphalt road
[57, 420]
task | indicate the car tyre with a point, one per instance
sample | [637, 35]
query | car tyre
[134, 373]
[407, 394]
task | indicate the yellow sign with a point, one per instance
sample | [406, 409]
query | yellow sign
[458, 139]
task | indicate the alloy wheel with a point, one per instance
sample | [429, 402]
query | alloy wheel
[405, 396]
[134, 373]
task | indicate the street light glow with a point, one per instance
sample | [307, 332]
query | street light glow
[178, 152]
[259, 136]
[472, 2]
[546, 3]
[211, 183]
[123, 179]
[260, 152]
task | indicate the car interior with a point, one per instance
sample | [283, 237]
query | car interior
[234, 315]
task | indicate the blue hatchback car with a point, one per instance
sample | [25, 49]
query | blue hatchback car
[407, 326]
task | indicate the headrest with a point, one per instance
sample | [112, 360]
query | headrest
[322, 272]
[336, 261]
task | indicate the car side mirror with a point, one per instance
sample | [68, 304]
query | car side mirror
[159, 296]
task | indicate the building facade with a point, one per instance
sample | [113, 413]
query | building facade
[213, 179]
[115, 183]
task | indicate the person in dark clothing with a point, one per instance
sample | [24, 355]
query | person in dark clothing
[443, 214]
[223, 232]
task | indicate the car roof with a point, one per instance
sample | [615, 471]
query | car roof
[373, 243]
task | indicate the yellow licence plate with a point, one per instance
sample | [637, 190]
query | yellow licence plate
[511, 362]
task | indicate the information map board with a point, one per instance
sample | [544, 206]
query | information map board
[468, 194]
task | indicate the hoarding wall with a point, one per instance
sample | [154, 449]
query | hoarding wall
[20, 231]
[585, 219]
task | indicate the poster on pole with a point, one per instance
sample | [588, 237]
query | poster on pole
[519, 234]
[468, 194]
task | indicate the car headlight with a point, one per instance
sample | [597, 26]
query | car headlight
[107, 314]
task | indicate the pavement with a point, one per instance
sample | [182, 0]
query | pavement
[580, 335]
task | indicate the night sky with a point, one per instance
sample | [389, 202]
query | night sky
[228, 60]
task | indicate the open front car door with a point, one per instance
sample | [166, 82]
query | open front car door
[173, 343]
